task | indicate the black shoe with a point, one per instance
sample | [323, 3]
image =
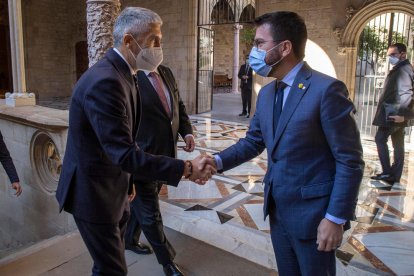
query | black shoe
[377, 176]
[243, 114]
[139, 248]
[172, 270]
[248, 115]
[387, 178]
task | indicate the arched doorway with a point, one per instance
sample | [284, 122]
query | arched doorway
[216, 19]
[350, 40]
[371, 65]
[6, 81]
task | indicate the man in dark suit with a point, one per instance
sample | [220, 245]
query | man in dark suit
[393, 113]
[305, 121]
[101, 153]
[9, 167]
[163, 117]
[246, 79]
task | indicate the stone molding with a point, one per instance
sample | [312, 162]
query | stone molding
[100, 16]
[43, 118]
[46, 161]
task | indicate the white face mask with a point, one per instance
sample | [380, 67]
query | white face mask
[393, 60]
[148, 58]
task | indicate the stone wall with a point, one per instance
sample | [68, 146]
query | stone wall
[51, 30]
[33, 216]
[223, 49]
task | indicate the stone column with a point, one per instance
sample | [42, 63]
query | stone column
[19, 95]
[235, 80]
[100, 16]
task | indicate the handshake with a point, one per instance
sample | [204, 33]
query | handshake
[201, 169]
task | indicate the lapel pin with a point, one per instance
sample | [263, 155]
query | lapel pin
[301, 86]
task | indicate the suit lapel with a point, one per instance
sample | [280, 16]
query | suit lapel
[292, 101]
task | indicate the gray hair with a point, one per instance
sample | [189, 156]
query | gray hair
[134, 21]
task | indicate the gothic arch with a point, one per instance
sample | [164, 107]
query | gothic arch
[354, 27]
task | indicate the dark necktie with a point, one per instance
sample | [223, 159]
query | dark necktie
[277, 110]
[160, 91]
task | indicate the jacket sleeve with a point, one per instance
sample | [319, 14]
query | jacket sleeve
[7, 161]
[104, 105]
[241, 71]
[246, 148]
[185, 123]
[342, 135]
[404, 84]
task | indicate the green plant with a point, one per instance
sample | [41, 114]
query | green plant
[247, 35]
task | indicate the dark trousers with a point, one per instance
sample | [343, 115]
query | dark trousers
[298, 257]
[106, 245]
[246, 95]
[146, 216]
[397, 138]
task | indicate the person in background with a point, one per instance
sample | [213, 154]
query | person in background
[394, 111]
[246, 79]
[164, 117]
[9, 167]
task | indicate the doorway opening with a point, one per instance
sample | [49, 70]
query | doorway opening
[372, 66]
[216, 39]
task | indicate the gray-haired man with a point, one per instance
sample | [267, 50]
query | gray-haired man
[101, 153]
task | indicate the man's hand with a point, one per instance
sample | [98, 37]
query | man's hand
[397, 119]
[204, 167]
[133, 194]
[16, 186]
[245, 77]
[189, 143]
[329, 235]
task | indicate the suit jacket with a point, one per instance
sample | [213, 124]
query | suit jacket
[314, 156]
[101, 153]
[7, 161]
[397, 95]
[249, 72]
[158, 133]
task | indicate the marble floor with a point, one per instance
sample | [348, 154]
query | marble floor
[227, 211]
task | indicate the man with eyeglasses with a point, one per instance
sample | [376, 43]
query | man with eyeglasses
[393, 113]
[305, 121]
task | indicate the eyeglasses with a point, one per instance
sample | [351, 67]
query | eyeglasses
[259, 42]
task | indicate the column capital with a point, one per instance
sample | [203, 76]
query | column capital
[237, 27]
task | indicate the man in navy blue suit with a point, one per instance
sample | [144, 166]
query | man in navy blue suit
[304, 120]
[101, 153]
[9, 167]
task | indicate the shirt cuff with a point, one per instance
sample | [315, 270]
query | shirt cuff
[219, 162]
[335, 219]
[188, 135]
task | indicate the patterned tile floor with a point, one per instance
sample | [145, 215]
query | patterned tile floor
[228, 209]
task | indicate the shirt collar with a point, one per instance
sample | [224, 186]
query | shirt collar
[130, 68]
[148, 72]
[290, 77]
